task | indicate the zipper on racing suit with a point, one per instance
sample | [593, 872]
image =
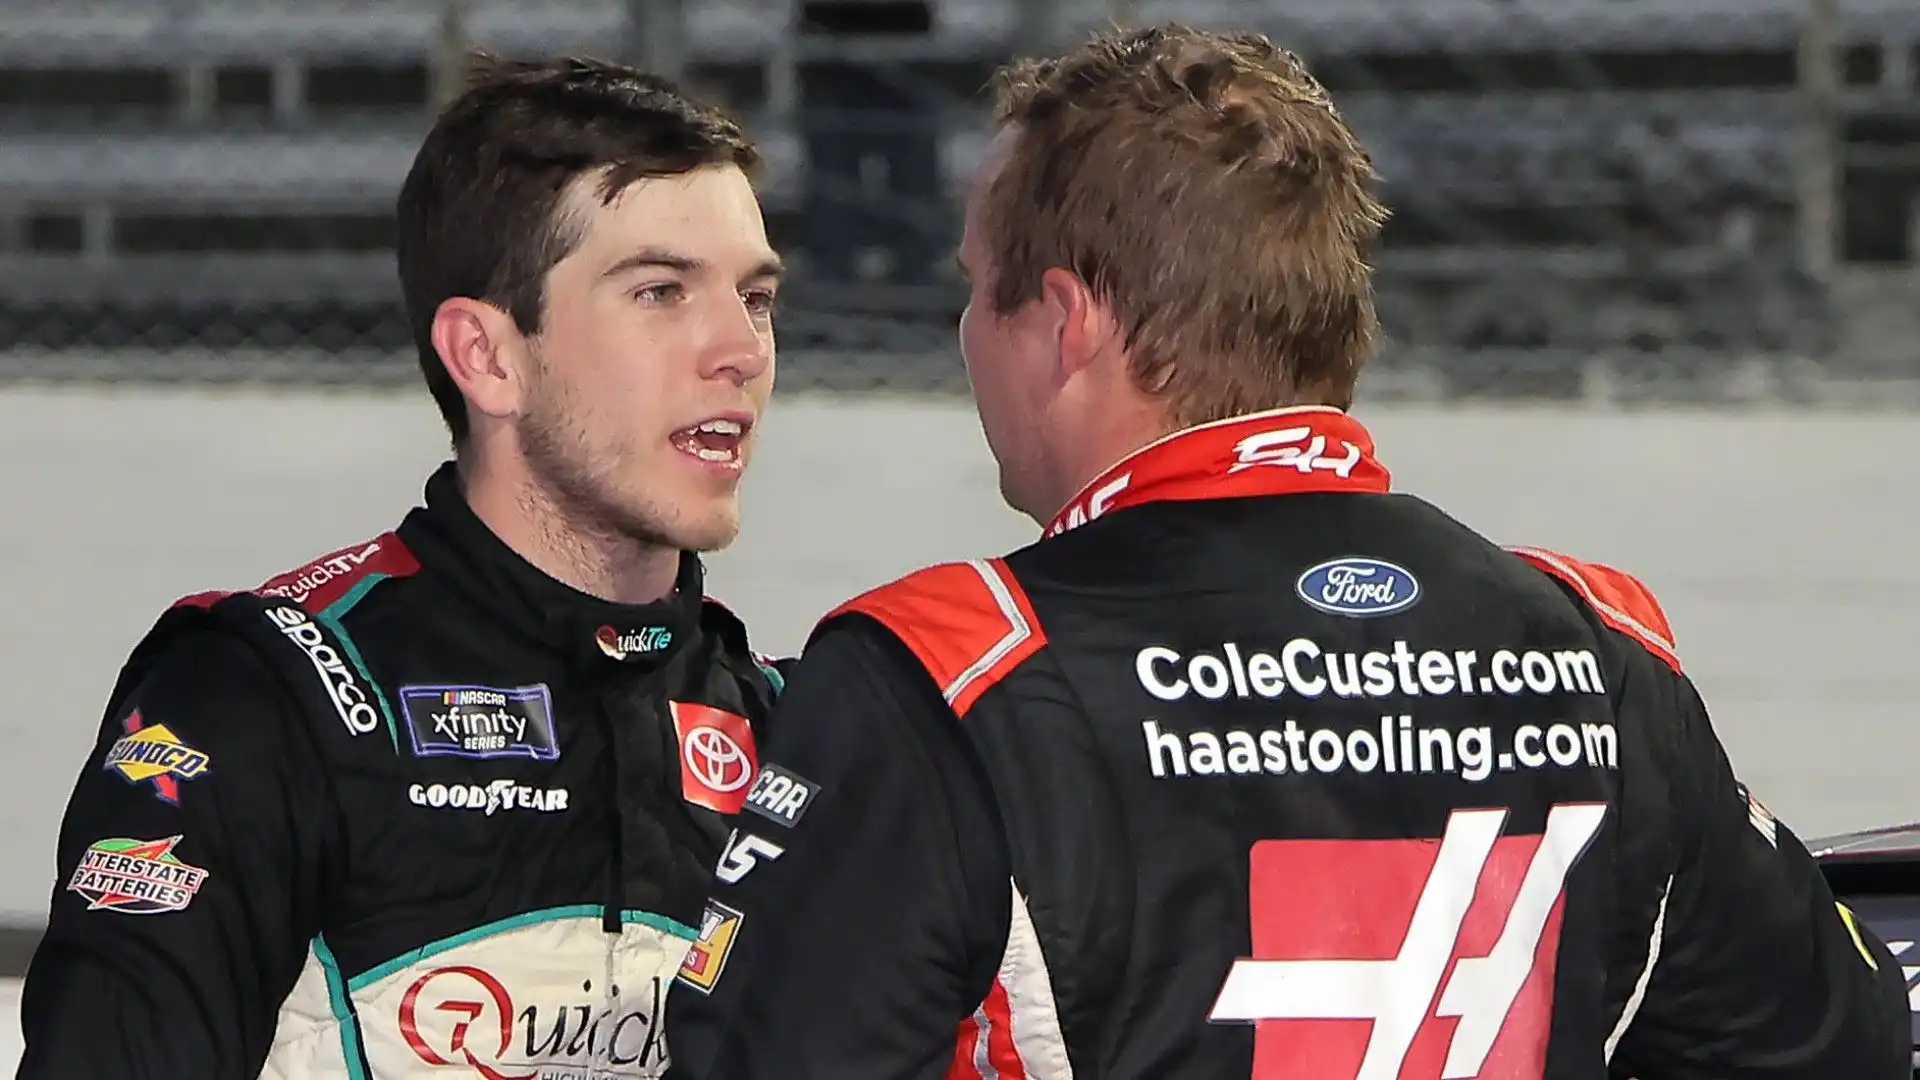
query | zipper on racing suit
[612, 915]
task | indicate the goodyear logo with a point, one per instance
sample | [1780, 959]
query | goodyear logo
[153, 754]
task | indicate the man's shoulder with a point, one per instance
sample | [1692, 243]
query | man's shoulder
[194, 662]
[342, 576]
[969, 623]
[329, 581]
[274, 638]
[1620, 600]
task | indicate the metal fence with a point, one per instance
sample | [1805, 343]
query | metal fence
[1651, 200]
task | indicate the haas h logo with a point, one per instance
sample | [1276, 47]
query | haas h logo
[1433, 961]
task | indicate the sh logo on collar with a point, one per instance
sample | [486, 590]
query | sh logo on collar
[624, 646]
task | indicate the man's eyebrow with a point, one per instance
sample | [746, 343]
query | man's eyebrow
[661, 258]
[651, 258]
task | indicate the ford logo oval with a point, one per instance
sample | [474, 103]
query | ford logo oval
[1358, 587]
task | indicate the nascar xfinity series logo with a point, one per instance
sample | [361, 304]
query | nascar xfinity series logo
[350, 699]
[137, 877]
[466, 1015]
[481, 721]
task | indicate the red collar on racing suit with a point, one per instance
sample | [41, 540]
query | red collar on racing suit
[1278, 452]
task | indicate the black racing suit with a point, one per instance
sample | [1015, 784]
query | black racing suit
[1253, 768]
[415, 809]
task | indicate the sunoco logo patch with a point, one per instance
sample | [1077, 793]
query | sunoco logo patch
[481, 721]
[154, 754]
[136, 877]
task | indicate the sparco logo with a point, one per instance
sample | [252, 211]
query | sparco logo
[350, 699]
[312, 577]
[465, 1015]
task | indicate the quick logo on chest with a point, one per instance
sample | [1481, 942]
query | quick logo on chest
[481, 722]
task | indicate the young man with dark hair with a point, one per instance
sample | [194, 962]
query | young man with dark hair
[1251, 767]
[451, 797]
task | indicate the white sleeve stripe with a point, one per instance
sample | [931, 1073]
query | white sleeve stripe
[1639, 994]
[982, 1047]
[1033, 1013]
[1586, 590]
[1018, 631]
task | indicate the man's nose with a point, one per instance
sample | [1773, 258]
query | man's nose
[741, 345]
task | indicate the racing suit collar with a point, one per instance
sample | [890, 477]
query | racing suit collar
[448, 537]
[1276, 452]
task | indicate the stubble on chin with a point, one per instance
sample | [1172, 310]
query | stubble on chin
[582, 491]
[586, 491]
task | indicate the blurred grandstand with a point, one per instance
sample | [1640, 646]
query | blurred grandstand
[1650, 199]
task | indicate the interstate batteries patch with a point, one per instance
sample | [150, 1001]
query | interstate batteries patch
[135, 877]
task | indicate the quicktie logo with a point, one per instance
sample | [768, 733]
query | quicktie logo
[622, 646]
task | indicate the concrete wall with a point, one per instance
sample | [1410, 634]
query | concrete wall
[1782, 545]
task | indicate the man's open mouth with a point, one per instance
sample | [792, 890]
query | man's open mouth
[717, 441]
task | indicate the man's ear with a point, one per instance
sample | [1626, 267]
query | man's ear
[483, 352]
[1086, 326]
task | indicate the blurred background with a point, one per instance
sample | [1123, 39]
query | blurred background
[1645, 199]
[1652, 291]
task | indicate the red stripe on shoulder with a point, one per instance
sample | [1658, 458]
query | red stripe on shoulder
[970, 624]
[1621, 600]
[330, 576]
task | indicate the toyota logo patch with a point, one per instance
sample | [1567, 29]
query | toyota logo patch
[717, 759]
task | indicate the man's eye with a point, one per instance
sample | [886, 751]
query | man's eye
[759, 300]
[664, 293]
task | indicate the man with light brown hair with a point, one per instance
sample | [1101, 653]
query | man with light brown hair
[1250, 768]
[1189, 202]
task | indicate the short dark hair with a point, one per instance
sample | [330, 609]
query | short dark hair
[478, 215]
[1204, 185]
